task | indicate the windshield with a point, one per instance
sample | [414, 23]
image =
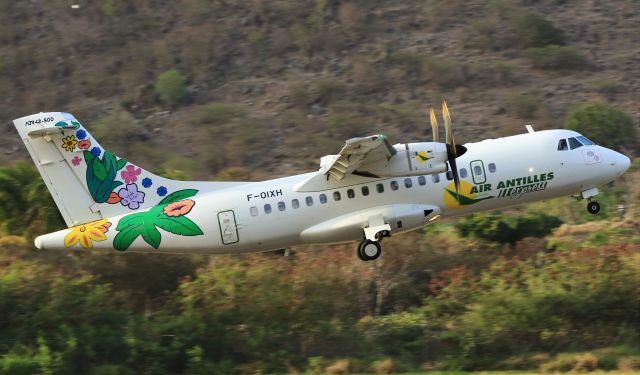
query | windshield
[584, 140]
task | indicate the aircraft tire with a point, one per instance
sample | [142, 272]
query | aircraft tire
[593, 207]
[369, 250]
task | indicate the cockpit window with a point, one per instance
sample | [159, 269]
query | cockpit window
[574, 143]
[562, 145]
[584, 140]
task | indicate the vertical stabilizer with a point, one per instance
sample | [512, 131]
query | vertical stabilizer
[86, 181]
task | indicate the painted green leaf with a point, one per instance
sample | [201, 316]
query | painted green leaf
[125, 238]
[151, 235]
[178, 196]
[179, 225]
[120, 164]
[99, 171]
[88, 156]
[75, 124]
[109, 161]
[464, 200]
[137, 219]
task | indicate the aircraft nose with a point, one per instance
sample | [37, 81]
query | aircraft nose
[620, 162]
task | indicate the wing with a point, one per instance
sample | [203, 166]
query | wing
[356, 152]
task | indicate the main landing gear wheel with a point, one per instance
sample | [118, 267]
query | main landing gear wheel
[593, 207]
[369, 250]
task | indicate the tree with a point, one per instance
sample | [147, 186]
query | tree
[494, 226]
[606, 125]
[171, 86]
[26, 205]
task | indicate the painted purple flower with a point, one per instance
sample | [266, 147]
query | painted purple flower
[96, 151]
[131, 197]
[76, 161]
[130, 174]
[162, 191]
[146, 182]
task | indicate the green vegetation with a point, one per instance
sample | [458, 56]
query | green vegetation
[171, 87]
[493, 291]
[26, 207]
[494, 226]
[555, 58]
[604, 124]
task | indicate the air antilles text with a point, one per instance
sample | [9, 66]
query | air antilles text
[516, 187]
[265, 194]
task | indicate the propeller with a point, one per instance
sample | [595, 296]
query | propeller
[453, 150]
[434, 125]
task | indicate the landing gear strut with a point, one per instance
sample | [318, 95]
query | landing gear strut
[593, 207]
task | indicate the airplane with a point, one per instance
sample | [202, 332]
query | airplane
[368, 191]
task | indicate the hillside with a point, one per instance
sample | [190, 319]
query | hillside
[270, 86]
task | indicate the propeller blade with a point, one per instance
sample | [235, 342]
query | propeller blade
[452, 150]
[447, 124]
[454, 173]
[434, 124]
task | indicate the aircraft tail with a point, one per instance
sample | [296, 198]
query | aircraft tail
[86, 181]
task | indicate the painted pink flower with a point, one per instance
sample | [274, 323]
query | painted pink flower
[130, 174]
[76, 160]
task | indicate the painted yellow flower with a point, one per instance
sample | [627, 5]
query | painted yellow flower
[69, 143]
[86, 233]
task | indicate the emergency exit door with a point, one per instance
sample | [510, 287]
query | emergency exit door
[228, 227]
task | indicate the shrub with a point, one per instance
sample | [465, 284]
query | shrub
[171, 87]
[555, 57]
[444, 72]
[604, 124]
[327, 90]
[523, 105]
[535, 31]
[220, 113]
[496, 227]
[383, 366]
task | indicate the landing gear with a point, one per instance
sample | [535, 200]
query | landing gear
[593, 207]
[369, 250]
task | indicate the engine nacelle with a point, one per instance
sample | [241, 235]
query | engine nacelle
[411, 159]
[349, 227]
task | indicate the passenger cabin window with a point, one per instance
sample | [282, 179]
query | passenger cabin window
[562, 145]
[365, 190]
[408, 183]
[394, 185]
[584, 140]
[309, 201]
[295, 203]
[254, 211]
[492, 167]
[422, 180]
[351, 193]
[449, 175]
[574, 143]
[477, 170]
[336, 196]
[323, 198]
[267, 208]
[380, 188]
[463, 172]
[281, 206]
[435, 178]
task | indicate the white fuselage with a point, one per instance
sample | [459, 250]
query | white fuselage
[494, 173]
